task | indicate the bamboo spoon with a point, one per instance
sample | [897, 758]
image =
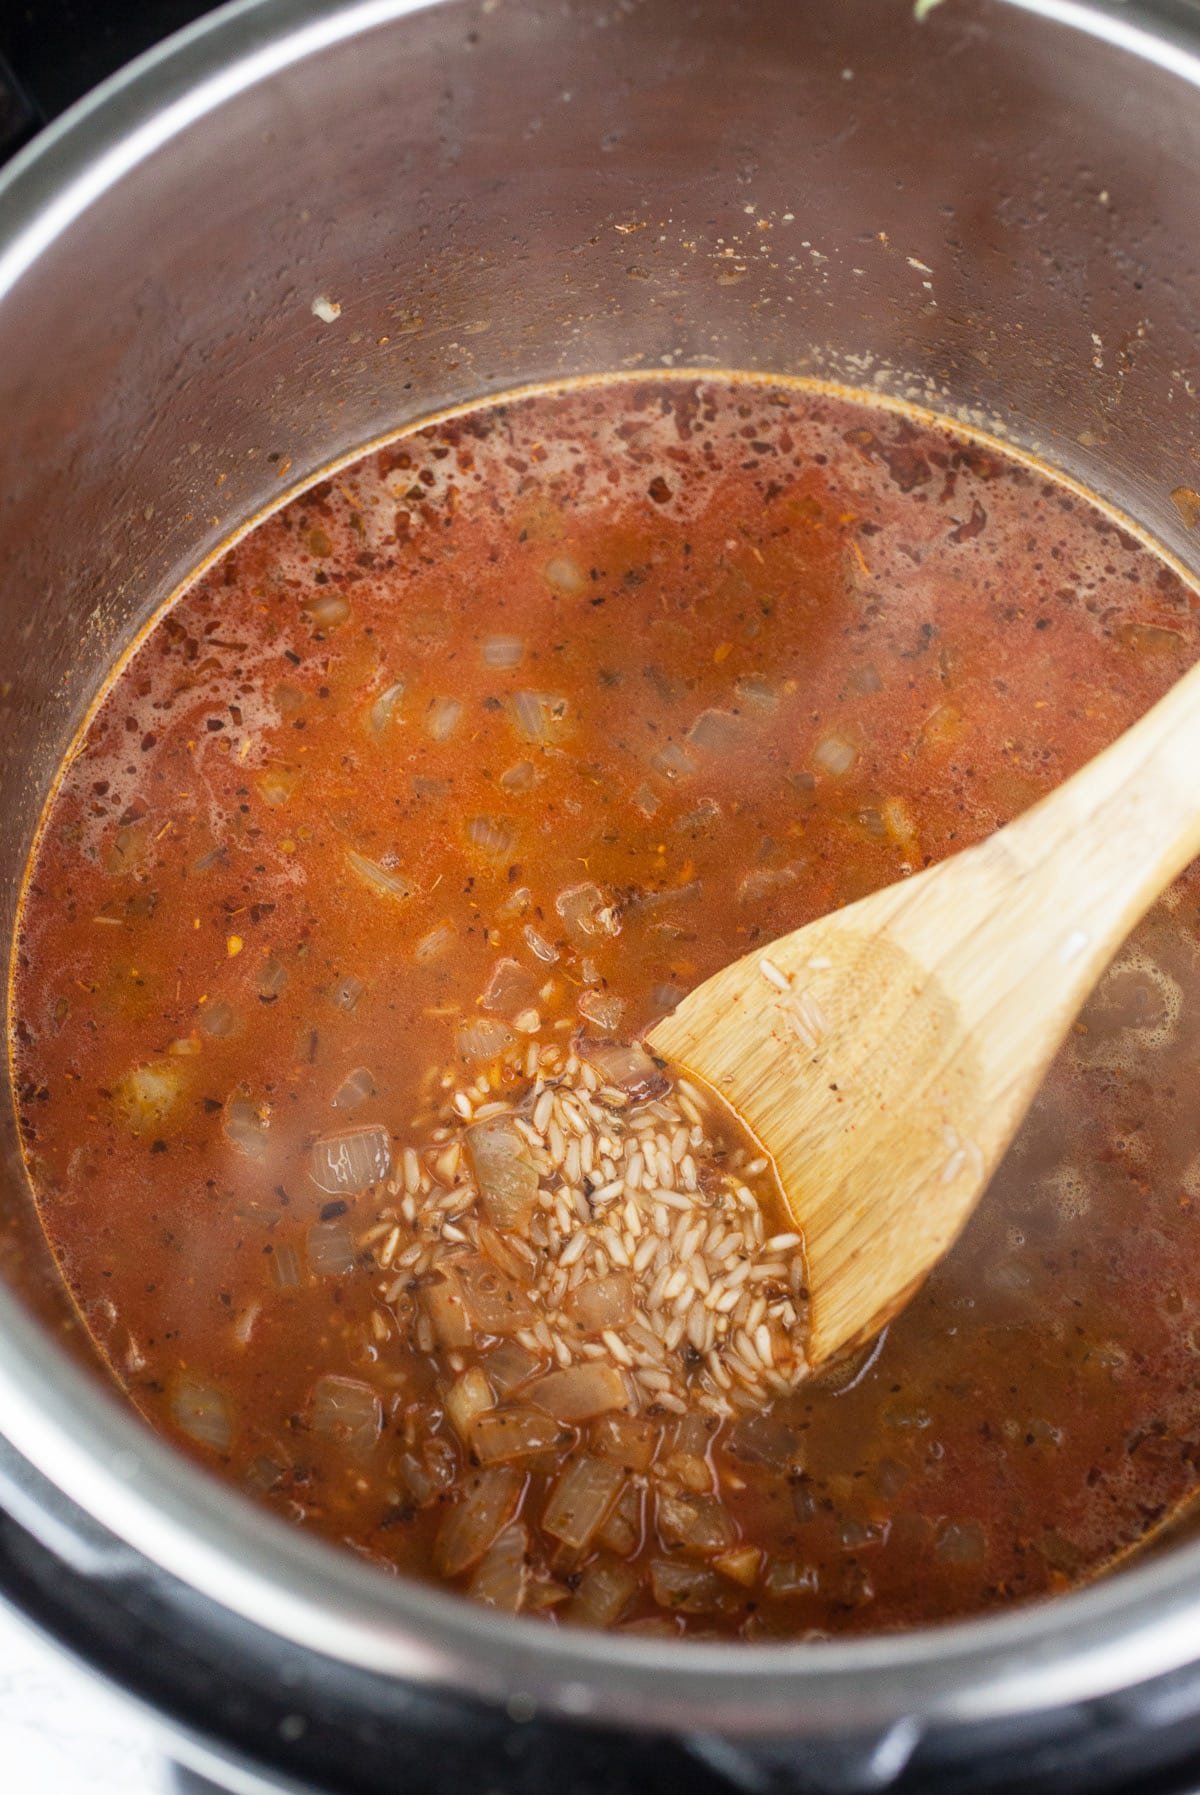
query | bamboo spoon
[885, 1055]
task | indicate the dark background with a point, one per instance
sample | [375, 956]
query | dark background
[58, 49]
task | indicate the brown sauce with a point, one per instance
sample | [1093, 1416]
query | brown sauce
[724, 655]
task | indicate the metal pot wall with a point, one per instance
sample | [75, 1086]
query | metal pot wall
[994, 212]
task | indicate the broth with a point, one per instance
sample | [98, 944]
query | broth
[464, 767]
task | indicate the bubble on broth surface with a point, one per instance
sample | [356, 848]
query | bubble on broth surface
[1135, 1010]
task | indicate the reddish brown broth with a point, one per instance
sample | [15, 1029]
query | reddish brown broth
[912, 637]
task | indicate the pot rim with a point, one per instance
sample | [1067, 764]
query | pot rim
[1082, 1645]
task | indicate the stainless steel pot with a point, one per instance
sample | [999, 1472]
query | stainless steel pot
[995, 212]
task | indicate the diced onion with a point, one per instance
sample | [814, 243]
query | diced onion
[443, 1301]
[715, 732]
[492, 835]
[502, 1575]
[347, 992]
[764, 881]
[202, 1412]
[384, 710]
[506, 1434]
[757, 693]
[436, 942]
[537, 943]
[344, 1163]
[493, 1303]
[790, 1577]
[510, 988]
[384, 880]
[628, 1440]
[354, 1089]
[673, 761]
[285, 1266]
[503, 651]
[694, 1523]
[604, 1593]
[272, 979]
[587, 912]
[565, 575]
[600, 1303]
[467, 1398]
[507, 1178]
[602, 1008]
[146, 1095]
[245, 1124]
[581, 1391]
[486, 1506]
[685, 1588]
[218, 1019]
[276, 785]
[741, 1564]
[627, 1066]
[703, 816]
[441, 719]
[647, 800]
[518, 778]
[347, 1411]
[581, 1499]
[509, 1367]
[835, 755]
[537, 714]
[330, 1249]
[326, 610]
[482, 1037]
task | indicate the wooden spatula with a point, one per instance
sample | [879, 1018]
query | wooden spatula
[885, 1055]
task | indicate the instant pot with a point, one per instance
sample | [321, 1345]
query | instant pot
[298, 225]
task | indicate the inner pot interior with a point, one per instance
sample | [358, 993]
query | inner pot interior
[280, 242]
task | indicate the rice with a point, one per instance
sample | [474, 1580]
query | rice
[649, 1190]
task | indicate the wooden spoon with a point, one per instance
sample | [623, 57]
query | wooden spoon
[885, 1055]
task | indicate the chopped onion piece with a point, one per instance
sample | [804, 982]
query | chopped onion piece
[502, 1254]
[581, 1499]
[502, 1575]
[602, 1008]
[581, 1392]
[326, 610]
[537, 714]
[354, 1089]
[715, 732]
[673, 761]
[765, 881]
[510, 1366]
[492, 835]
[145, 1096]
[757, 693]
[517, 778]
[537, 944]
[330, 1249]
[604, 1593]
[426, 1476]
[600, 1303]
[344, 1163]
[348, 1411]
[277, 784]
[587, 912]
[565, 575]
[482, 1037]
[507, 1434]
[694, 822]
[272, 979]
[285, 1266]
[628, 1440]
[446, 1310]
[435, 943]
[509, 989]
[246, 1123]
[384, 710]
[666, 997]
[763, 1439]
[503, 651]
[441, 719]
[646, 800]
[835, 755]
[741, 1564]
[507, 1178]
[467, 1398]
[493, 1303]
[384, 880]
[626, 1065]
[901, 827]
[218, 1019]
[200, 1410]
[488, 1503]
[347, 992]
[791, 1577]
[695, 1523]
[685, 1588]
